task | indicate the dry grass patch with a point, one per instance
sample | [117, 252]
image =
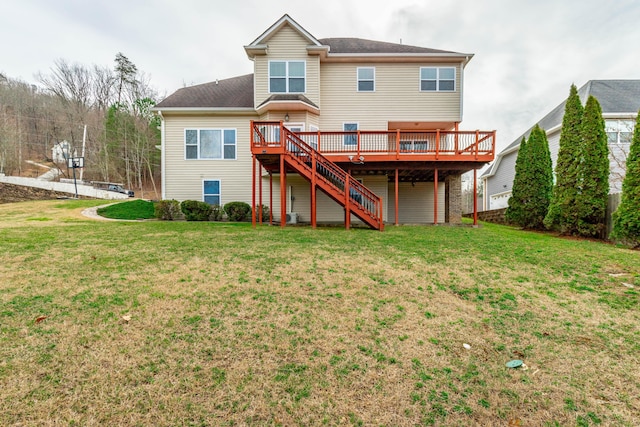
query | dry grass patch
[162, 323]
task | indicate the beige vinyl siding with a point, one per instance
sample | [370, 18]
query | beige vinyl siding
[185, 177]
[286, 45]
[299, 198]
[415, 203]
[397, 97]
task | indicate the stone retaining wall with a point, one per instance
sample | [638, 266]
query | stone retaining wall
[496, 216]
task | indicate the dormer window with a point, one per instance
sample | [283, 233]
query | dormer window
[287, 76]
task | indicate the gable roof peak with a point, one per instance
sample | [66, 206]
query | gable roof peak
[285, 20]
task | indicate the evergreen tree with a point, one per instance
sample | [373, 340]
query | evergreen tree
[515, 207]
[591, 200]
[562, 215]
[626, 220]
[533, 183]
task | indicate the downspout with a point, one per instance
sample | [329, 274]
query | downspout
[466, 61]
[163, 156]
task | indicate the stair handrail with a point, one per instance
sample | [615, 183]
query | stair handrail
[358, 193]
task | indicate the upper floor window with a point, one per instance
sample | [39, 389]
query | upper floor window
[210, 144]
[437, 79]
[287, 76]
[366, 79]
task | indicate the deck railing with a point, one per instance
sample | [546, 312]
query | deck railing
[441, 144]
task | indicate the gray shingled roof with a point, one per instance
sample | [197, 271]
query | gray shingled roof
[288, 97]
[236, 92]
[354, 45]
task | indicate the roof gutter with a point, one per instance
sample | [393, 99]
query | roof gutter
[245, 110]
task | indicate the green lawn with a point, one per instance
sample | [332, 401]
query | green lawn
[195, 323]
[131, 210]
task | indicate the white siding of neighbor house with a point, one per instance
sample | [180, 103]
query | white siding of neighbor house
[397, 97]
[415, 202]
[617, 166]
[286, 45]
[186, 176]
[502, 180]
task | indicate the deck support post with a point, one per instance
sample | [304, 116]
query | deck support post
[259, 193]
[475, 197]
[397, 189]
[283, 193]
[435, 197]
[270, 198]
[253, 191]
[347, 207]
[313, 189]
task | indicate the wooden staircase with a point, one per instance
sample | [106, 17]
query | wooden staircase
[321, 172]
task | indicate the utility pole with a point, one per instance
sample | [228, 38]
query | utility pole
[19, 144]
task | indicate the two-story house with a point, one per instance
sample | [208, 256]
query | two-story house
[374, 126]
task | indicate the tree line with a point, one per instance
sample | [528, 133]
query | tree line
[114, 103]
[576, 204]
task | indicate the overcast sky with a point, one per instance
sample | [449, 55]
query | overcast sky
[527, 52]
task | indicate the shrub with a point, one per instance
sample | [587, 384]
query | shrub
[265, 213]
[216, 213]
[237, 211]
[195, 210]
[168, 210]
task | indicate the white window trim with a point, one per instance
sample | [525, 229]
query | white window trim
[294, 125]
[198, 158]
[286, 75]
[619, 126]
[219, 187]
[455, 79]
[358, 79]
[345, 136]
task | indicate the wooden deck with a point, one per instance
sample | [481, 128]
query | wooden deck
[385, 146]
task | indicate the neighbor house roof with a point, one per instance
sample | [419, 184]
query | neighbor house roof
[233, 93]
[616, 97]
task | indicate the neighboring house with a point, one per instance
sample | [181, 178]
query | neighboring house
[620, 102]
[60, 152]
[373, 125]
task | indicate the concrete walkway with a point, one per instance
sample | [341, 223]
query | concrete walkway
[92, 213]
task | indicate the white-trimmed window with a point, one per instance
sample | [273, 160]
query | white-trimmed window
[211, 191]
[366, 79]
[210, 144]
[437, 79]
[619, 131]
[352, 138]
[287, 76]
